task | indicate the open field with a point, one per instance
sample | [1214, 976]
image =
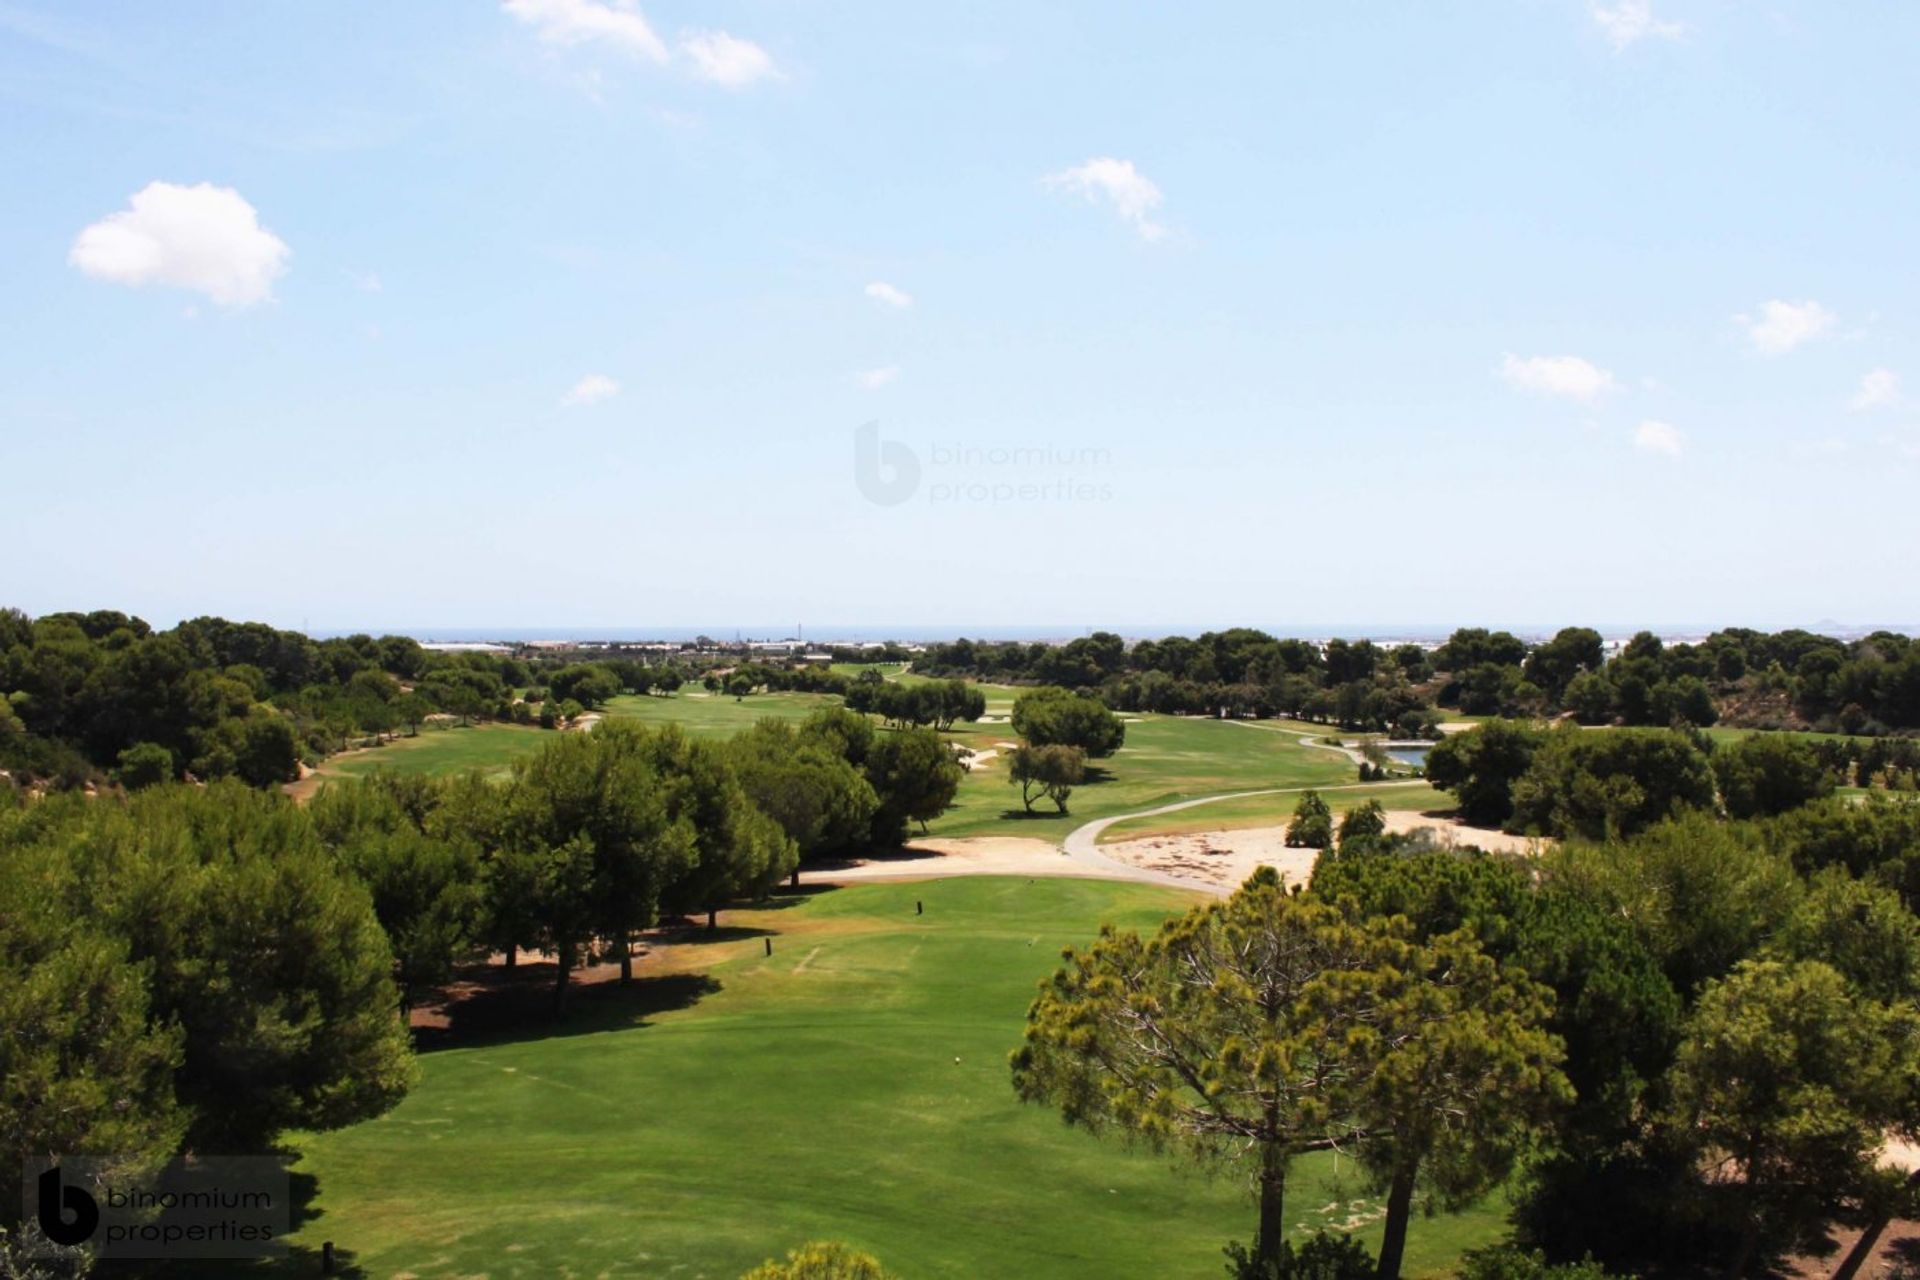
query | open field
[1277, 810]
[852, 1086]
[1166, 758]
[1724, 735]
[490, 748]
[717, 715]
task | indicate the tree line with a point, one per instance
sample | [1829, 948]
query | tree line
[204, 968]
[1568, 781]
[1679, 1048]
[1785, 680]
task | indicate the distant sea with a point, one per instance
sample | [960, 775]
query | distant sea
[826, 634]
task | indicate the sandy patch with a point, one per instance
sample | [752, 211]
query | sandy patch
[1453, 832]
[585, 721]
[1224, 859]
[978, 759]
[1457, 726]
[1216, 859]
[959, 856]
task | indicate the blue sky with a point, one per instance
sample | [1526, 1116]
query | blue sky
[567, 313]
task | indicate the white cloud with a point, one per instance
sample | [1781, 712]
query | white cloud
[1133, 195]
[1568, 376]
[1782, 326]
[365, 281]
[874, 379]
[882, 292]
[1879, 389]
[203, 237]
[591, 389]
[572, 22]
[1657, 437]
[1630, 21]
[727, 60]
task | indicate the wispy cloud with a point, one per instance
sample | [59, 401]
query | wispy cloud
[727, 60]
[874, 379]
[1657, 437]
[1879, 389]
[1628, 22]
[885, 294]
[591, 389]
[574, 22]
[1780, 326]
[204, 238]
[1116, 183]
[716, 57]
[1568, 376]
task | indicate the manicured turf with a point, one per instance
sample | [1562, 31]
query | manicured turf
[1277, 810]
[1725, 735]
[1165, 759]
[717, 715]
[852, 1086]
[488, 747]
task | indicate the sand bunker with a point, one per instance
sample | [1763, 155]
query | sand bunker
[1223, 859]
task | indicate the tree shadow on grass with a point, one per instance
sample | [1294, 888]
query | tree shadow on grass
[303, 1190]
[496, 1005]
[1032, 815]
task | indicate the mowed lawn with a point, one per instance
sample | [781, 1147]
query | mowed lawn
[1165, 759]
[717, 715]
[851, 1086]
[1277, 810]
[490, 748]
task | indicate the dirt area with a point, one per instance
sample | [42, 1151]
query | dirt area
[978, 759]
[1454, 832]
[1226, 858]
[1219, 859]
[964, 856]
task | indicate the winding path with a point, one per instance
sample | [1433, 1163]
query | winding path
[1082, 844]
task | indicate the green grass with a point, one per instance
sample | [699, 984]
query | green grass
[1165, 759]
[1724, 735]
[717, 715]
[852, 1086]
[1277, 810]
[488, 747]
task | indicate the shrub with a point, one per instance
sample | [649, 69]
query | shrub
[821, 1260]
[1325, 1257]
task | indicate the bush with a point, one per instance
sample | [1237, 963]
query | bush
[1325, 1257]
[145, 764]
[1312, 825]
[1508, 1262]
[821, 1261]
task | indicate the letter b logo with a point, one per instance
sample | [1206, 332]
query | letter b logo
[57, 1201]
[885, 471]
